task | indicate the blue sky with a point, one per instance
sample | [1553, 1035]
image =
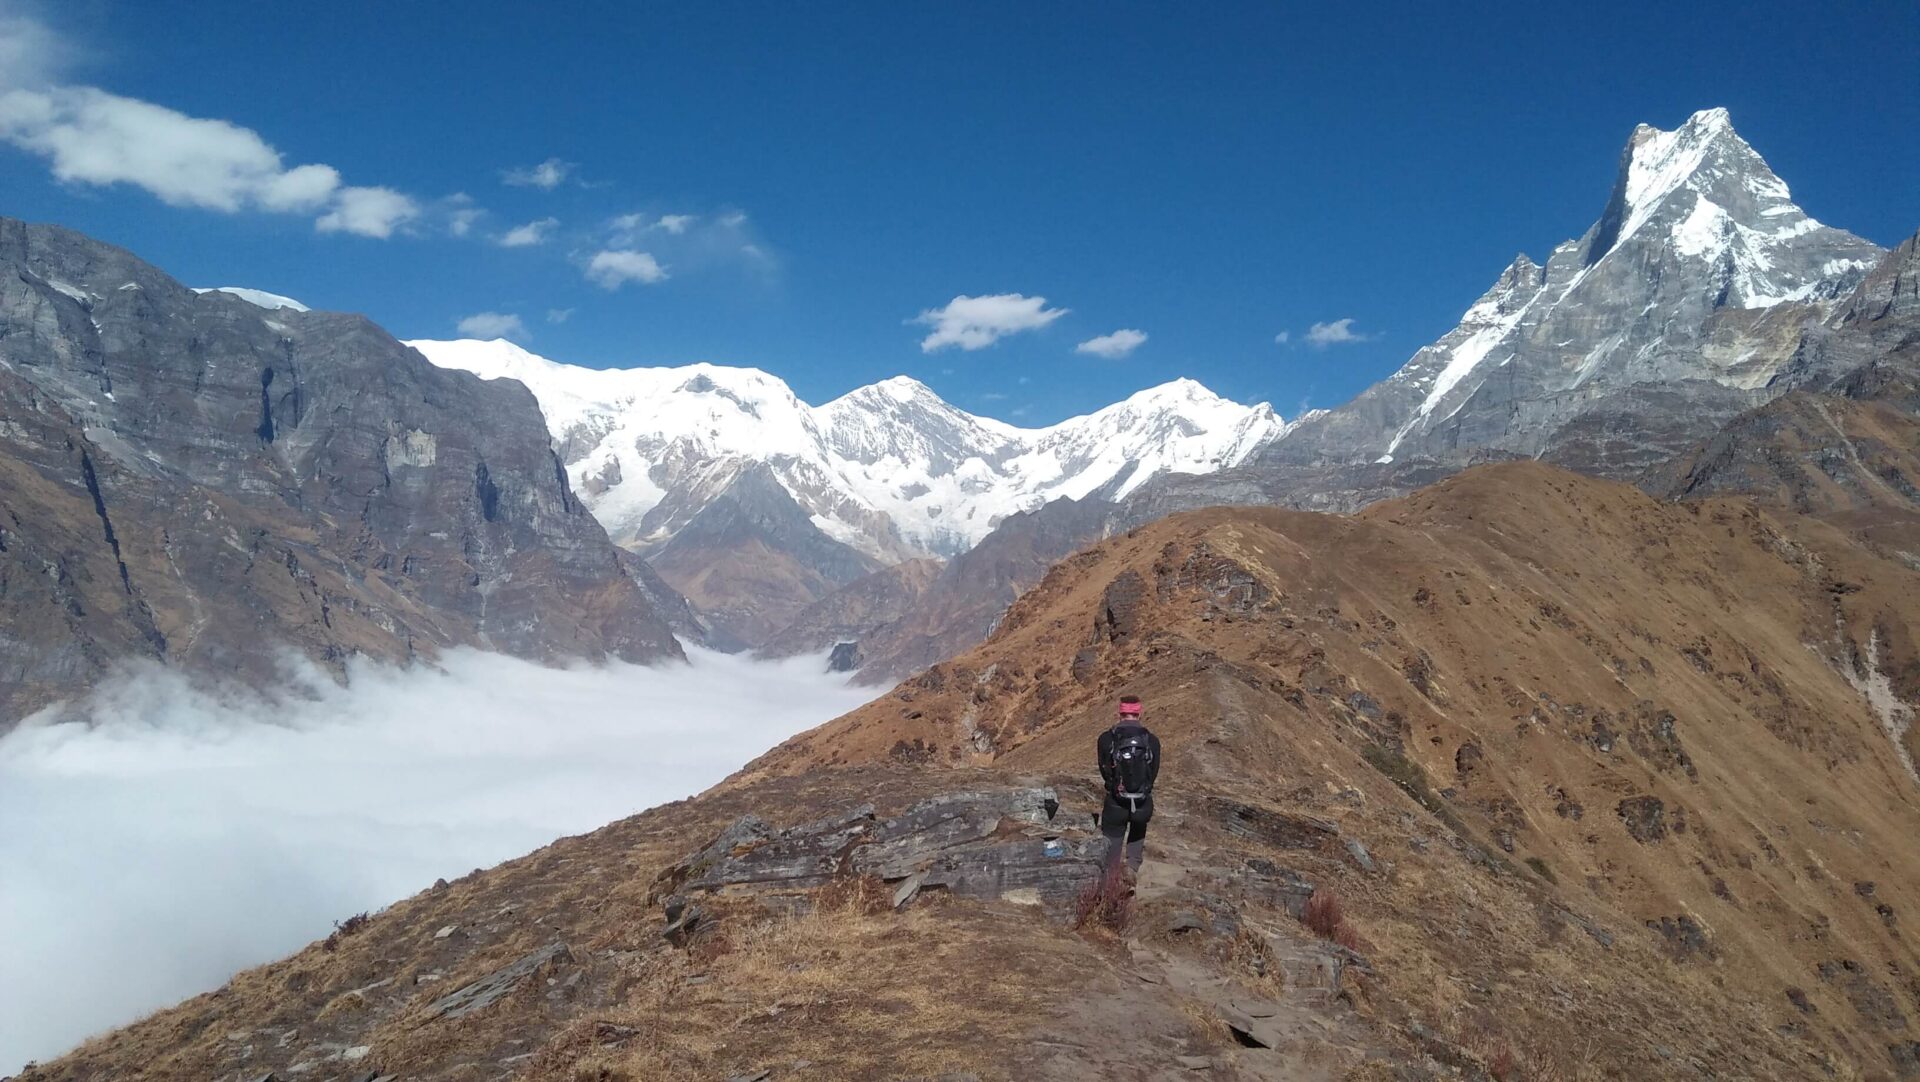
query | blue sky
[799, 185]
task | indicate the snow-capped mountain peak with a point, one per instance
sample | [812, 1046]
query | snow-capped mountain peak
[1718, 203]
[890, 468]
[1697, 230]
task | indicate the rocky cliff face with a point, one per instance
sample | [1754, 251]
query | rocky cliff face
[1674, 312]
[196, 480]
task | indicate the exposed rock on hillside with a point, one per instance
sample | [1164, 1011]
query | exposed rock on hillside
[752, 559]
[856, 611]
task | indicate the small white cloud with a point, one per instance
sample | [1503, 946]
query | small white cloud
[678, 223]
[368, 212]
[1283, 338]
[460, 213]
[1113, 346]
[546, 176]
[559, 315]
[493, 325]
[614, 267]
[978, 322]
[994, 396]
[526, 236]
[1338, 332]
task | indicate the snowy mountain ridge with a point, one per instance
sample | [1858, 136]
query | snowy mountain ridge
[891, 469]
[1696, 270]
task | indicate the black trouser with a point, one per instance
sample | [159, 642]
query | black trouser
[1124, 824]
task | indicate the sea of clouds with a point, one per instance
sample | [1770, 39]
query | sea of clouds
[186, 832]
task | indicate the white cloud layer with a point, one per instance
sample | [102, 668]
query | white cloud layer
[978, 322]
[546, 176]
[1113, 346]
[614, 267]
[526, 236]
[493, 325]
[1338, 332]
[91, 136]
[187, 835]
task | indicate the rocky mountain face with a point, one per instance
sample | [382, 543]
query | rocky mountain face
[1675, 311]
[1527, 775]
[197, 481]
[850, 614]
[889, 469]
[960, 605]
[752, 558]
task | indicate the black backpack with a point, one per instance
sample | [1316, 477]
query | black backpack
[1131, 757]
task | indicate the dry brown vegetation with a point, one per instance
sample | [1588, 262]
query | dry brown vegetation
[1596, 775]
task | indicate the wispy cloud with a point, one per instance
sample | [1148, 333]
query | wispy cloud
[1113, 346]
[493, 325]
[1283, 338]
[978, 322]
[462, 214]
[31, 54]
[614, 267]
[1338, 332]
[526, 236]
[546, 176]
[692, 243]
[93, 137]
[559, 315]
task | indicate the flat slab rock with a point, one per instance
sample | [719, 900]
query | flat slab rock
[985, 843]
[495, 986]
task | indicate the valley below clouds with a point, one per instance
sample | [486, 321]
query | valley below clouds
[187, 832]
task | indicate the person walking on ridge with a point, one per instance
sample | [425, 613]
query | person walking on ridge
[1129, 761]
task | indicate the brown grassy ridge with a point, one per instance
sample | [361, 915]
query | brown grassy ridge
[1518, 661]
[1470, 683]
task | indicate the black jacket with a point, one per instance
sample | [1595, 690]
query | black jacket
[1104, 749]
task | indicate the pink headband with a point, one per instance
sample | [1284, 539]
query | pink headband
[1129, 710]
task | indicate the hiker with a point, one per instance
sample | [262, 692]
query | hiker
[1129, 761]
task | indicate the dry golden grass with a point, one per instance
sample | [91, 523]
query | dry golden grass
[852, 987]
